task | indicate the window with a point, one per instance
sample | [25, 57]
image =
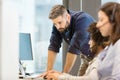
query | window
[33, 19]
[104, 1]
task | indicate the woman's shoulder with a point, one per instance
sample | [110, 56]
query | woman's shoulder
[117, 44]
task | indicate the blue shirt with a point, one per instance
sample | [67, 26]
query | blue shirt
[76, 34]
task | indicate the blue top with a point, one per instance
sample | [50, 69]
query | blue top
[76, 34]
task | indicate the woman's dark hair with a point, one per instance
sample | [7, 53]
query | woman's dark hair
[96, 36]
[112, 10]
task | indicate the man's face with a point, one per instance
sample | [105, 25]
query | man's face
[61, 22]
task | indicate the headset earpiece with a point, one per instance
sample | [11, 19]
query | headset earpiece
[112, 17]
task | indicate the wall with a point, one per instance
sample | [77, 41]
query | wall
[0, 35]
[91, 7]
[8, 40]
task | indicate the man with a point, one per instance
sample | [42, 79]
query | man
[72, 27]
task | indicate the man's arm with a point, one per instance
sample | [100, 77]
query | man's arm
[51, 59]
[50, 63]
[70, 60]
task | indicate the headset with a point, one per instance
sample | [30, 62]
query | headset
[112, 17]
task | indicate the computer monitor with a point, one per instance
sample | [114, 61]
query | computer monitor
[25, 53]
[25, 47]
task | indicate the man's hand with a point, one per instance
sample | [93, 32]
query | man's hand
[53, 76]
[45, 74]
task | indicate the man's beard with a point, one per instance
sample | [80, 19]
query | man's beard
[63, 29]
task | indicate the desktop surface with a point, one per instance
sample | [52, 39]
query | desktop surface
[34, 76]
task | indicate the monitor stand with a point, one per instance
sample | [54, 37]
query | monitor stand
[21, 70]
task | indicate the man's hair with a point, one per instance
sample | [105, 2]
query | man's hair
[96, 36]
[57, 10]
[112, 11]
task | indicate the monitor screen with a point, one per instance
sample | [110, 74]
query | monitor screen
[25, 46]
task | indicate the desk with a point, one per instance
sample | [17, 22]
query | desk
[32, 77]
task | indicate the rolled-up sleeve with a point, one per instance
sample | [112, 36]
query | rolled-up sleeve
[55, 40]
[79, 43]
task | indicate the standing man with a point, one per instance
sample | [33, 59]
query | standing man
[72, 27]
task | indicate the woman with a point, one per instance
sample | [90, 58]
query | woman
[97, 44]
[109, 25]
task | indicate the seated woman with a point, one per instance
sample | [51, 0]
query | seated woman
[97, 44]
